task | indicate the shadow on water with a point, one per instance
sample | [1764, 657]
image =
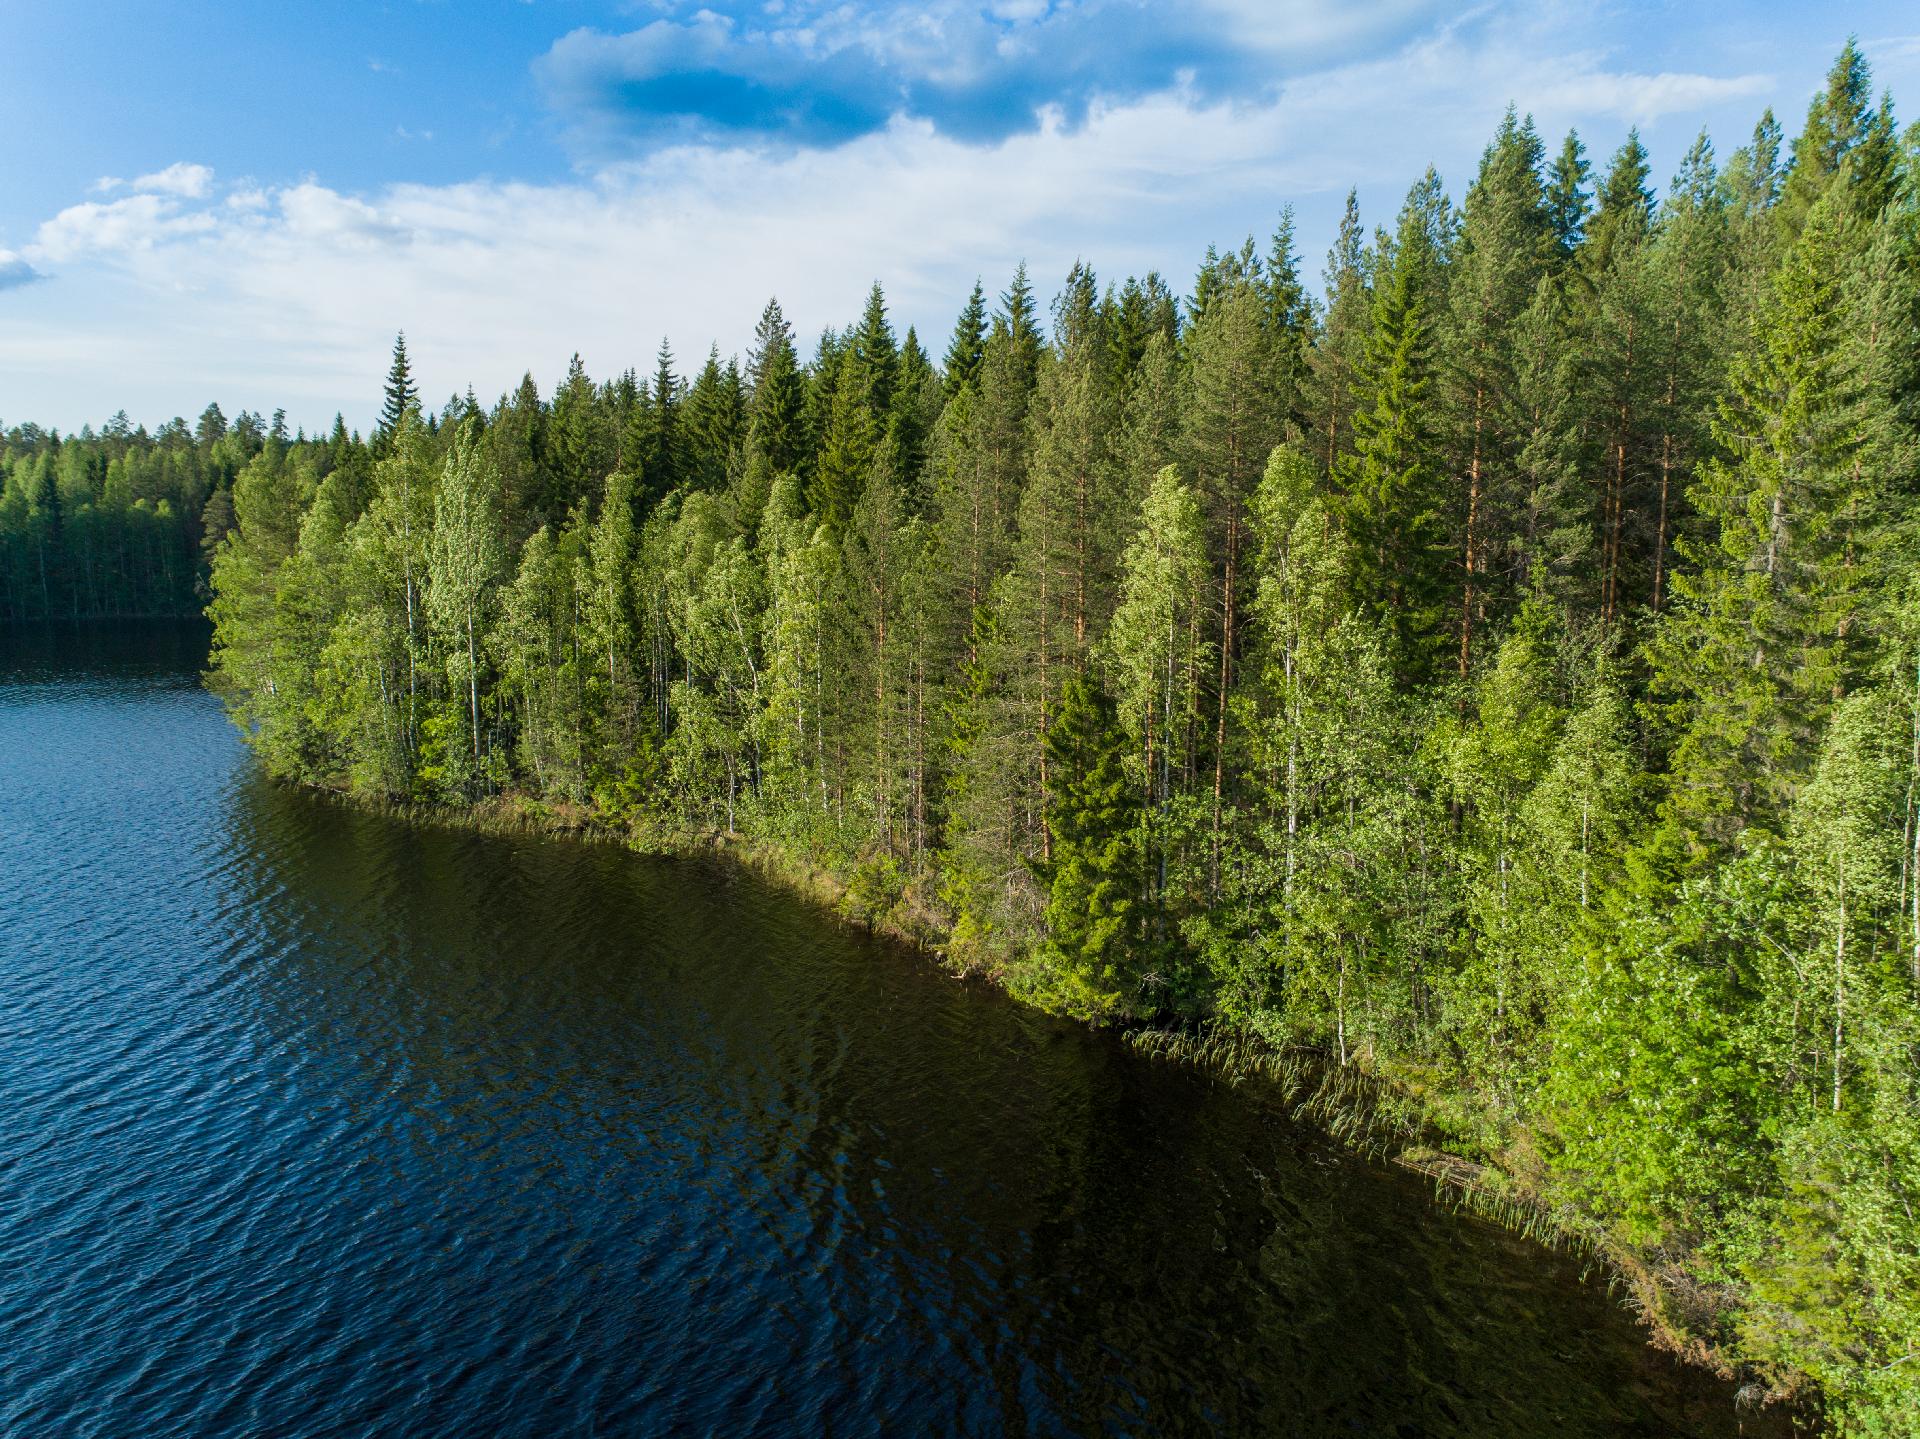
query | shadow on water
[328, 1125]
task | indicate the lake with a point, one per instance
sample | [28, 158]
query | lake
[313, 1123]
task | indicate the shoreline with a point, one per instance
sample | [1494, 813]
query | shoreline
[1381, 1115]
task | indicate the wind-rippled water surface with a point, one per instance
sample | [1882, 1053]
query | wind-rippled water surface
[315, 1124]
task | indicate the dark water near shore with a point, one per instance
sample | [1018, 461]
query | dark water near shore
[314, 1124]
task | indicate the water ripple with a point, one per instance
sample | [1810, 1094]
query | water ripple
[312, 1124]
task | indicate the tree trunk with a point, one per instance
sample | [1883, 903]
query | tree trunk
[1473, 519]
[473, 684]
[1226, 687]
[1839, 991]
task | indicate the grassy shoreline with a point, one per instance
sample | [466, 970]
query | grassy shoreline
[1392, 1118]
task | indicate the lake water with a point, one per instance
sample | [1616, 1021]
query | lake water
[315, 1124]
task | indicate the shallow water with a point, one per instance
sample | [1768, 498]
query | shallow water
[315, 1124]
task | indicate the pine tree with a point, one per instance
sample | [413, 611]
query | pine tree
[212, 425]
[1687, 276]
[1621, 340]
[1505, 249]
[976, 469]
[1233, 421]
[880, 671]
[1752, 183]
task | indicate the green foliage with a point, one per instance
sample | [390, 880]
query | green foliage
[1396, 508]
[1093, 962]
[1499, 682]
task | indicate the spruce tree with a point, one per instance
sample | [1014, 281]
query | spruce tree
[1290, 323]
[1394, 497]
[402, 395]
[654, 448]
[776, 393]
[520, 443]
[918, 397]
[856, 422]
[968, 346]
[1567, 196]
[1766, 631]
[1093, 875]
[1838, 119]
[713, 420]
[1018, 320]
[580, 447]
[1337, 358]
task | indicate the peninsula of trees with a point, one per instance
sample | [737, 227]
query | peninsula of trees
[1499, 673]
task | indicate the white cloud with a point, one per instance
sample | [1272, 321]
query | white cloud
[290, 295]
[190, 182]
[311, 213]
[1642, 99]
[116, 228]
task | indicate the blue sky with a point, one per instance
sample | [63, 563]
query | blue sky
[242, 202]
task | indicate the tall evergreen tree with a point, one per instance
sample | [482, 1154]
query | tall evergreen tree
[1395, 500]
[1839, 118]
[655, 447]
[776, 393]
[1505, 249]
[1766, 632]
[1337, 358]
[1567, 195]
[968, 346]
[1093, 948]
[402, 395]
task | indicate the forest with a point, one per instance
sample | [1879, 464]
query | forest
[1494, 670]
[111, 525]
